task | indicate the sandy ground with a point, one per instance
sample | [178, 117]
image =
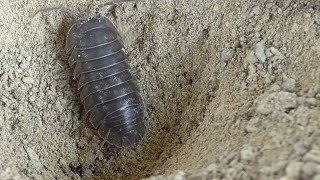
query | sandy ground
[232, 90]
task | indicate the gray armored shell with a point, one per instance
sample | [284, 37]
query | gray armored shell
[108, 90]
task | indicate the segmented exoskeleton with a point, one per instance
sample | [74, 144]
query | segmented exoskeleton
[108, 89]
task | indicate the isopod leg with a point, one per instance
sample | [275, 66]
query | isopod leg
[104, 140]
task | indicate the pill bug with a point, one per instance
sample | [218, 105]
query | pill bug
[107, 88]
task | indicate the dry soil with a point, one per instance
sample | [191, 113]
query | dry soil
[232, 91]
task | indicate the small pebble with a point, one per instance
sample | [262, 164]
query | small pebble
[256, 10]
[275, 88]
[300, 148]
[180, 176]
[253, 125]
[313, 101]
[58, 106]
[309, 169]
[260, 52]
[100, 155]
[301, 100]
[275, 53]
[28, 80]
[293, 169]
[19, 94]
[250, 58]
[32, 98]
[313, 155]
[264, 109]
[312, 92]
[227, 54]
[269, 54]
[213, 168]
[289, 84]
[231, 173]
[247, 154]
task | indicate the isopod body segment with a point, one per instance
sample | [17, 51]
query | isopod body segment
[107, 88]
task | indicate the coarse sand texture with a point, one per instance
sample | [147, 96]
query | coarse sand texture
[231, 89]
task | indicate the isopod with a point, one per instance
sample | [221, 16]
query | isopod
[108, 89]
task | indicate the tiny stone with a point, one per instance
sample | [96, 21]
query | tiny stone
[28, 80]
[227, 54]
[289, 85]
[287, 3]
[267, 80]
[252, 69]
[312, 92]
[212, 167]
[300, 148]
[275, 88]
[260, 52]
[32, 98]
[260, 67]
[264, 109]
[28, 59]
[279, 166]
[197, 175]
[24, 65]
[313, 101]
[180, 176]
[242, 39]
[276, 52]
[269, 53]
[18, 71]
[253, 125]
[231, 173]
[247, 153]
[309, 169]
[100, 155]
[251, 58]
[293, 169]
[256, 10]
[81, 143]
[269, 5]
[279, 101]
[19, 94]
[266, 170]
[251, 128]
[313, 155]
[285, 100]
[258, 28]
[301, 100]
[280, 11]
[58, 106]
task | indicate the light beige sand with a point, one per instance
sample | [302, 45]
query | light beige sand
[232, 90]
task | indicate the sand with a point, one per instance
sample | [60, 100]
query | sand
[232, 91]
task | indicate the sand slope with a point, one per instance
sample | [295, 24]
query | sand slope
[232, 90]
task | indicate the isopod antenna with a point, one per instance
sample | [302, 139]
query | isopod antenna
[72, 15]
[112, 3]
